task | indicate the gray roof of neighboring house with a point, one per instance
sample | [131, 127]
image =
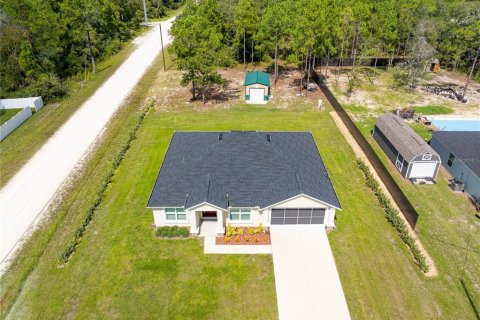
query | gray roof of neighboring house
[402, 137]
[241, 169]
[465, 145]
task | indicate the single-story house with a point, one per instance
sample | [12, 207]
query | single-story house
[243, 178]
[257, 87]
[412, 156]
[460, 154]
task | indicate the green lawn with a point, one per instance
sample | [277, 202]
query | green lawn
[433, 109]
[6, 114]
[121, 271]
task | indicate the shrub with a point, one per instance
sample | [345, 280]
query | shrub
[247, 238]
[251, 231]
[393, 217]
[172, 231]
[70, 248]
[227, 239]
[260, 228]
[255, 239]
[240, 232]
[237, 239]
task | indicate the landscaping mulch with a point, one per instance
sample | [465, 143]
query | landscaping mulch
[263, 239]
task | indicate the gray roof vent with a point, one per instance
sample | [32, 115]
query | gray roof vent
[220, 136]
[268, 138]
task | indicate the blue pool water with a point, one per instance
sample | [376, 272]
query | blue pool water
[457, 125]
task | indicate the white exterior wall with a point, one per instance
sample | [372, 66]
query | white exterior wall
[160, 219]
[20, 103]
[256, 217]
[14, 122]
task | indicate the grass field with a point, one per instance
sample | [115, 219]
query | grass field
[6, 114]
[121, 271]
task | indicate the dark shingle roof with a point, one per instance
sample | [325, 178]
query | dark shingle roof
[402, 137]
[257, 77]
[252, 171]
[465, 145]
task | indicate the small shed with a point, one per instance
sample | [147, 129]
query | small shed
[257, 87]
[412, 156]
[435, 66]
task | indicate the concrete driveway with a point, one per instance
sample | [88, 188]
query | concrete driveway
[24, 198]
[306, 278]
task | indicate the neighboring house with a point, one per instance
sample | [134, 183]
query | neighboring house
[244, 179]
[412, 156]
[257, 87]
[460, 153]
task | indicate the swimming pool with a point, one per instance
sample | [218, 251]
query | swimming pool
[457, 124]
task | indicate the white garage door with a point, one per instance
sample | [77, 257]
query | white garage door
[423, 170]
[256, 95]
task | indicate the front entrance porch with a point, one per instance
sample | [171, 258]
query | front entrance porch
[208, 222]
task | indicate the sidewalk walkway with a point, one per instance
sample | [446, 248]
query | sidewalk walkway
[211, 248]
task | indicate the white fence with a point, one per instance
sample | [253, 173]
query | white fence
[14, 122]
[20, 103]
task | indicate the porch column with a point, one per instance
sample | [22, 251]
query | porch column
[220, 223]
[194, 225]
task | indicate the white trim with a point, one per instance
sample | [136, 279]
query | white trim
[176, 221]
[297, 196]
[203, 204]
[240, 215]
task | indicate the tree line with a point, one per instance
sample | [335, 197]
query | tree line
[44, 42]
[211, 34]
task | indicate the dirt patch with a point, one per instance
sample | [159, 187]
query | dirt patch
[379, 93]
[285, 92]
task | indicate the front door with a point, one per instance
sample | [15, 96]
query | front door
[209, 215]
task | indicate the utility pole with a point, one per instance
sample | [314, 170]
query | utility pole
[145, 12]
[94, 68]
[471, 73]
[161, 41]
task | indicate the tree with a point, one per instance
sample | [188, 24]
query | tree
[246, 19]
[198, 46]
[420, 54]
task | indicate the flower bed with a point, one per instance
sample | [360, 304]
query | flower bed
[245, 236]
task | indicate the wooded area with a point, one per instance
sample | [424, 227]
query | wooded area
[43, 42]
[212, 34]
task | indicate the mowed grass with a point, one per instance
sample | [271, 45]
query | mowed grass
[6, 114]
[433, 109]
[121, 271]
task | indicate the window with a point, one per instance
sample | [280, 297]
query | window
[238, 214]
[427, 156]
[451, 158]
[175, 214]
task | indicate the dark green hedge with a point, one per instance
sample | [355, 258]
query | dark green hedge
[393, 217]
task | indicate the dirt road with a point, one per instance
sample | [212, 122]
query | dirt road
[26, 196]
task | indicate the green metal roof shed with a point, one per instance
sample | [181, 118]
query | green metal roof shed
[257, 77]
[257, 87]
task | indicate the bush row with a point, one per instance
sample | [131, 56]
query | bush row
[172, 232]
[393, 217]
[72, 245]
